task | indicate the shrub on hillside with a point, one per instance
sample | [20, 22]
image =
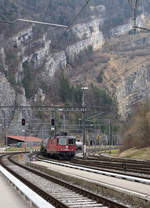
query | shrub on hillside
[136, 132]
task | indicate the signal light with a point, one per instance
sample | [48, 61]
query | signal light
[52, 121]
[23, 122]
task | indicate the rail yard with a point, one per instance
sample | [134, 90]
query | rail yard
[74, 104]
[74, 184]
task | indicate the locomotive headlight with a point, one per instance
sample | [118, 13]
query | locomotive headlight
[67, 146]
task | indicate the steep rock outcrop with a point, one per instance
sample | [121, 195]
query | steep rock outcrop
[7, 98]
[38, 52]
[30, 49]
[35, 49]
[133, 89]
[128, 70]
[89, 35]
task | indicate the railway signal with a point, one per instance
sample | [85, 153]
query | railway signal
[23, 122]
[53, 126]
[52, 122]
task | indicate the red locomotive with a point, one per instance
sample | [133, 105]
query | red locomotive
[62, 147]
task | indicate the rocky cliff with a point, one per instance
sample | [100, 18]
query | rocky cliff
[127, 71]
[122, 68]
[28, 58]
[30, 55]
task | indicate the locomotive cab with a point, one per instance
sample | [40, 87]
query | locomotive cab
[66, 146]
[59, 147]
[72, 141]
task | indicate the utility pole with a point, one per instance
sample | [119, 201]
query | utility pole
[133, 6]
[110, 135]
[64, 117]
[4, 127]
[25, 139]
[83, 121]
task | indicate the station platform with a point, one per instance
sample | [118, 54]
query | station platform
[9, 197]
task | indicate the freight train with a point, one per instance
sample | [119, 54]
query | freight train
[60, 147]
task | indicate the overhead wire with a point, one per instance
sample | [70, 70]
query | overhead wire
[68, 27]
[78, 14]
[70, 24]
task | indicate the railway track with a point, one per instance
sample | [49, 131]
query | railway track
[140, 169]
[121, 165]
[55, 191]
[115, 159]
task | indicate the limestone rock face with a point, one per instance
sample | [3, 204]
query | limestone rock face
[37, 51]
[40, 96]
[31, 50]
[28, 49]
[89, 35]
[127, 73]
[55, 61]
[133, 89]
[7, 99]
[7, 93]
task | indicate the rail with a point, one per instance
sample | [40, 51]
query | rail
[44, 198]
[99, 199]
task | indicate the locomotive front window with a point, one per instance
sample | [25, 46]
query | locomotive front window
[62, 141]
[71, 141]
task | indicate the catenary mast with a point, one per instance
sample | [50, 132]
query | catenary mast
[133, 5]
